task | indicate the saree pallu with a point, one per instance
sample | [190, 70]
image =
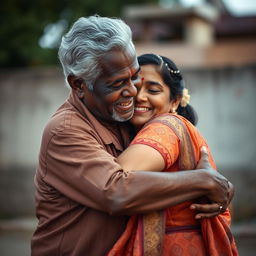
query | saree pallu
[175, 231]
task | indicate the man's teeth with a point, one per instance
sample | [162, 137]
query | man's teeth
[125, 104]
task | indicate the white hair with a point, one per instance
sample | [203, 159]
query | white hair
[89, 39]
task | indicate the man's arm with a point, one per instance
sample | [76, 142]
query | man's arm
[147, 158]
[80, 168]
[154, 191]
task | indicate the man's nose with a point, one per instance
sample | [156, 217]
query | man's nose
[130, 90]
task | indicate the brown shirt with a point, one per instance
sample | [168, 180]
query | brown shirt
[74, 184]
[82, 194]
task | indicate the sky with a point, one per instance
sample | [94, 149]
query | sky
[236, 7]
[241, 7]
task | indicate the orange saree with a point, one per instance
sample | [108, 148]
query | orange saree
[175, 231]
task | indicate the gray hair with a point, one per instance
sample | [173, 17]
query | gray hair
[89, 39]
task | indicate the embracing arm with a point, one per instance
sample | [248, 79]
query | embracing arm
[171, 188]
[80, 168]
[203, 182]
[141, 157]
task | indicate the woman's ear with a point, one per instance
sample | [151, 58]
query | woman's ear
[77, 85]
[177, 102]
[174, 105]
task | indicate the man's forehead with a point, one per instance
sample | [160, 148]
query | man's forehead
[118, 60]
[118, 55]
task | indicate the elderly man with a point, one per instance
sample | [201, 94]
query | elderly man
[83, 196]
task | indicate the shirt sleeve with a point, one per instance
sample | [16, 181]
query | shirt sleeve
[80, 168]
[161, 138]
[76, 164]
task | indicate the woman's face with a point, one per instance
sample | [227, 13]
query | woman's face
[153, 96]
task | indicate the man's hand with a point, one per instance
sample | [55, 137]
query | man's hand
[221, 191]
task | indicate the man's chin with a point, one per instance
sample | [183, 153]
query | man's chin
[124, 118]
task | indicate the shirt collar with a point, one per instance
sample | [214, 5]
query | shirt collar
[104, 130]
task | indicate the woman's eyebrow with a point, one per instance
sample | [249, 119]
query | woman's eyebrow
[151, 82]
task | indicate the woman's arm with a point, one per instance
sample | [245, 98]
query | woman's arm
[147, 158]
[141, 157]
[155, 148]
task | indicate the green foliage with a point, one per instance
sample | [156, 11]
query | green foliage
[23, 21]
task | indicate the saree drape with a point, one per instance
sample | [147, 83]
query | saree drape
[175, 231]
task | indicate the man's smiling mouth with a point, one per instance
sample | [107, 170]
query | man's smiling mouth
[125, 106]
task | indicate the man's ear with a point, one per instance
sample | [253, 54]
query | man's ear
[77, 85]
[74, 82]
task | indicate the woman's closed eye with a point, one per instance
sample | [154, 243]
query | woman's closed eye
[154, 90]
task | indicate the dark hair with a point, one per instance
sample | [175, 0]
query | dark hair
[173, 78]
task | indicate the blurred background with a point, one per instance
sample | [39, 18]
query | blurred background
[212, 41]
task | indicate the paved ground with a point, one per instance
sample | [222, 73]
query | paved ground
[15, 237]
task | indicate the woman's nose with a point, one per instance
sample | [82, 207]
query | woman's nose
[141, 96]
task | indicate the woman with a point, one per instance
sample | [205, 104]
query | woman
[168, 142]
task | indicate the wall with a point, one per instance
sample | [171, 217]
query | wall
[27, 99]
[225, 102]
[223, 98]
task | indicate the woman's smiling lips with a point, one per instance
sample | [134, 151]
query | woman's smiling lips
[141, 109]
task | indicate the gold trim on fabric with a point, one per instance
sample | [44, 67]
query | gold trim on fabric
[153, 231]
[187, 155]
[154, 223]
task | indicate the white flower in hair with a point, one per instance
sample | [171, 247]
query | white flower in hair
[185, 98]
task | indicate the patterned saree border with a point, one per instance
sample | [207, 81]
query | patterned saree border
[153, 227]
[153, 224]
[187, 158]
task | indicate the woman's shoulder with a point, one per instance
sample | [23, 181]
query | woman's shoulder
[172, 121]
[161, 125]
[167, 118]
[170, 117]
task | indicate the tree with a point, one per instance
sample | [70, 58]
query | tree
[23, 23]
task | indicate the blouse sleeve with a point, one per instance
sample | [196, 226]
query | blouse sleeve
[162, 138]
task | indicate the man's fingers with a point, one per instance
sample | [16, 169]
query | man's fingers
[207, 208]
[206, 215]
[203, 150]
[204, 161]
[213, 207]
